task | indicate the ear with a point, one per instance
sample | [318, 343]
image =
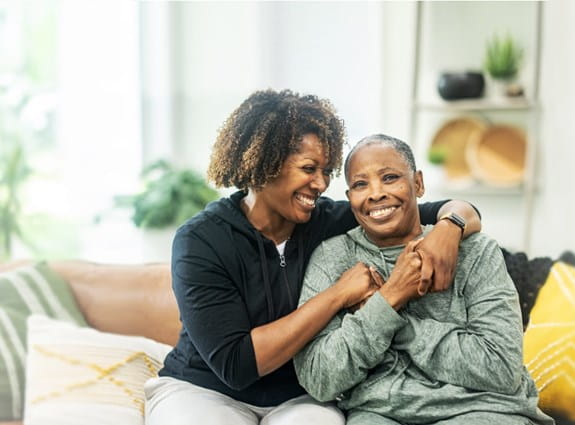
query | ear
[419, 186]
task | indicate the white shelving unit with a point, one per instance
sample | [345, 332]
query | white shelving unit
[451, 36]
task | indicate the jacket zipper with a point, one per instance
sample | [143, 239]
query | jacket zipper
[283, 265]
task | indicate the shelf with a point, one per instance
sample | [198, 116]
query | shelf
[484, 104]
[477, 189]
[436, 26]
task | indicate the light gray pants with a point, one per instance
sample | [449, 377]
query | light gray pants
[171, 401]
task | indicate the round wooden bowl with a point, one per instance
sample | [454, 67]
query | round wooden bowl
[454, 135]
[498, 157]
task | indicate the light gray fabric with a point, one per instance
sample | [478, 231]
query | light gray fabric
[446, 354]
[175, 402]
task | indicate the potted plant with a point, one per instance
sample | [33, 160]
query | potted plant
[503, 57]
[170, 196]
[437, 155]
[434, 174]
[13, 173]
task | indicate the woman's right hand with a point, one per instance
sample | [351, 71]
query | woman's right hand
[404, 282]
[356, 285]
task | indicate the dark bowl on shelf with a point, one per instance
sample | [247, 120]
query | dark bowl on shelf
[460, 85]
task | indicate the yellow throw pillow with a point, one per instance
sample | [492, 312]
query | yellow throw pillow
[549, 343]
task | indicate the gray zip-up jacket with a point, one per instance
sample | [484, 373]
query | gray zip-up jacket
[445, 354]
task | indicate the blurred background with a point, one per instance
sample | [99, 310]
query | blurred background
[108, 109]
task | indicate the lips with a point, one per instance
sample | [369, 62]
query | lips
[379, 213]
[306, 200]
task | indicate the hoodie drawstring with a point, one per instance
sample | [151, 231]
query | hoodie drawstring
[300, 271]
[384, 264]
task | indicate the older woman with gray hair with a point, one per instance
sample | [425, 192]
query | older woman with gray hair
[406, 355]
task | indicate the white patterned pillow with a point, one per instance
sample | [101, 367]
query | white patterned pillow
[81, 375]
[33, 289]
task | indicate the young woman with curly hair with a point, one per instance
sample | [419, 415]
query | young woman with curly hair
[238, 267]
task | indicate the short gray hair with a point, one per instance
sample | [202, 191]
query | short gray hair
[399, 146]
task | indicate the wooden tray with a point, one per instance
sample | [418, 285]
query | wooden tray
[498, 157]
[454, 136]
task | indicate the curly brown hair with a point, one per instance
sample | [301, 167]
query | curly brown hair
[258, 136]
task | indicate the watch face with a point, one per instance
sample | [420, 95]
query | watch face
[456, 219]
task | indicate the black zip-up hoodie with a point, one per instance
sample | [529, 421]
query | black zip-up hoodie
[228, 279]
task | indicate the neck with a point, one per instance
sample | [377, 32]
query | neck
[268, 222]
[402, 237]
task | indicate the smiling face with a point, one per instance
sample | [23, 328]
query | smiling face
[303, 177]
[383, 193]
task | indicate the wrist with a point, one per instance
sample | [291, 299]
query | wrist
[338, 298]
[394, 299]
[453, 221]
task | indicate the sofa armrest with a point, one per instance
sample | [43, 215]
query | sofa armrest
[125, 299]
[135, 299]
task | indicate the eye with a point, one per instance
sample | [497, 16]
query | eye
[308, 169]
[390, 178]
[327, 172]
[358, 184]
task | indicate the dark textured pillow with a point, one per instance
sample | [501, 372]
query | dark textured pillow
[528, 277]
[26, 290]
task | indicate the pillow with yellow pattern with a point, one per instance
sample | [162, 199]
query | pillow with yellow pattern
[79, 375]
[549, 342]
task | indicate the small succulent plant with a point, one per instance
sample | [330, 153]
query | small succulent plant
[503, 57]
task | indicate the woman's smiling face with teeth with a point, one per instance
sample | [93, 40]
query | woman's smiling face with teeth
[303, 177]
[383, 193]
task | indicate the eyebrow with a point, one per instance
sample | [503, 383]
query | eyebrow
[381, 170]
[359, 175]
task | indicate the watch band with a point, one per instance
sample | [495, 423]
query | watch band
[455, 219]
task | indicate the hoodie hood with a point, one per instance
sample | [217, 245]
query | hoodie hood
[357, 234]
[387, 256]
[229, 210]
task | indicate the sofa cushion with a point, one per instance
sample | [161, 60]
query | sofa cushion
[549, 342]
[23, 291]
[143, 302]
[73, 370]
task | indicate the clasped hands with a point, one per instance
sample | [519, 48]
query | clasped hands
[425, 265]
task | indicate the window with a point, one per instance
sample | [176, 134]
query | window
[69, 95]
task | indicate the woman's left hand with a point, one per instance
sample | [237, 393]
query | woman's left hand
[438, 252]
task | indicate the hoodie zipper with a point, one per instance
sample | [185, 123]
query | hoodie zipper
[283, 265]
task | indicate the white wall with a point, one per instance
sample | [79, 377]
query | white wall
[360, 55]
[554, 224]
[229, 49]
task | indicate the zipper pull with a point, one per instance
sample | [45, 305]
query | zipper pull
[282, 260]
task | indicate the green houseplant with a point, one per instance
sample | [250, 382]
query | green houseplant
[13, 173]
[170, 196]
[503, 57]
[434, 173]
[437, 155]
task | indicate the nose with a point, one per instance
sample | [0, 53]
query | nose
[320, 181]
[377, 192]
